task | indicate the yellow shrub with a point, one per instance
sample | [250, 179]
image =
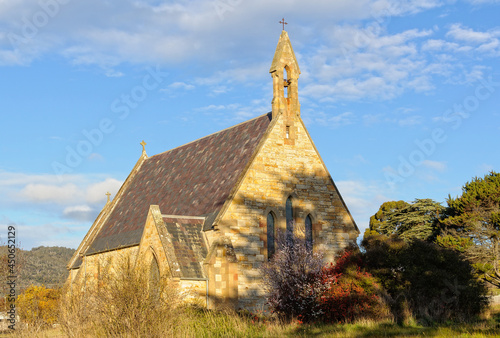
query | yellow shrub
[38, 305]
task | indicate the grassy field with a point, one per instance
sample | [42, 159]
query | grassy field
[201, 323]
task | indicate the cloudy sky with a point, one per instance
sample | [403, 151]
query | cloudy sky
[400, 97]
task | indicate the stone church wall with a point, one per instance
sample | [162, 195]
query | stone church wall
[94, 266]
[151, 247]
[284, 167]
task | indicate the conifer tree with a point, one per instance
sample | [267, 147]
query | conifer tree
[409, 221]
[472, 225]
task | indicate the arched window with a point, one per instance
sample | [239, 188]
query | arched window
[286, 82]
[154, 276]
[270, 235]
[309, 233]
[289, 220]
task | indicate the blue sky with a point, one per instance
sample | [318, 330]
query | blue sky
[400, 97]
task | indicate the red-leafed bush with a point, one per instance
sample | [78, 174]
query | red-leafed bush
[299, 286]
[349, 293]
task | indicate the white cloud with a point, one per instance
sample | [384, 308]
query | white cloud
[435, 165]
[367, 62]
[58, 192]
[9, 179]
[95, 157]
[54, 233]
[45, 193]
[50, 234]
[371, 119]
[489, 47]
[345, 61]
[217, 107]
[51, 209]
[331, 121]
[485, 43]
[410, 121]
[481, 2]
[80, 212]
[108, 33]
[340, 120]
[181, 85]
[458, 32]
[177, 88]
[228, 114]
[95, 193]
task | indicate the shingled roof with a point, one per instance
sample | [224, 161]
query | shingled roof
[189, 246]
[192, 180]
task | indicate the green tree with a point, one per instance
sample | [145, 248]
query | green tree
[409, 221]
[424, 280]
[472, 225]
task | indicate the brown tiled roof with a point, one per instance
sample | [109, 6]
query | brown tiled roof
[192, 180]
[189, 246]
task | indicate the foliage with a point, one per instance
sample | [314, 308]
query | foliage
[424, 280]
[417, 220]
[460, 244]
[11, 264]
[38, 305]
[349, 292]
[46, 265]
[472, 225]
[292, 279]
[202, 323]
[382, 221]
[38, 266]
[299, 286]
[125, 301]
[386, 328]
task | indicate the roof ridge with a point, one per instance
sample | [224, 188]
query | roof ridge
[201, 138]
[183, 217]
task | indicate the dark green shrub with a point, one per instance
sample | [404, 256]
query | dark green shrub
[436, 283]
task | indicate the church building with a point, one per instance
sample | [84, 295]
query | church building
[207, 213]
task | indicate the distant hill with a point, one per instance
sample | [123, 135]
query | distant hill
[42, 265]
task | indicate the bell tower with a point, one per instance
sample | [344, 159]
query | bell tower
[285, 73]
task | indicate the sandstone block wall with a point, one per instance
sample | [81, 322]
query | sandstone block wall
[94, 266]
[284, 167]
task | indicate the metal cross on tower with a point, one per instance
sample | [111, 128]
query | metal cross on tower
[284, 23]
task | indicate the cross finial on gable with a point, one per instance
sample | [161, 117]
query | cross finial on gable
[143, 144]
[284, 23]
[108, 194]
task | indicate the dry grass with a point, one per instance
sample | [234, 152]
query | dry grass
[196, 322]
[129, 303]
[126, 301]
